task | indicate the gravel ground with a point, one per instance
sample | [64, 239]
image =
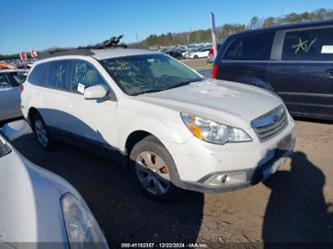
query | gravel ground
[294, 205]
[198, 64]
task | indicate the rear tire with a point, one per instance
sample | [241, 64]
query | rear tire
[41, 132]
[150, 166]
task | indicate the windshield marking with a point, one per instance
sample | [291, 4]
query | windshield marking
[148, 73]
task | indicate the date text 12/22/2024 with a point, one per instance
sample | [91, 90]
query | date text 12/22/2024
[164, 245]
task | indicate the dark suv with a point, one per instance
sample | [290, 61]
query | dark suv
[295, 61]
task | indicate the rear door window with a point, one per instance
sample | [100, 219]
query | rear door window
[308, 45]
[57, 76]
[4, 81]
[84, 75]
[251, 47]
[37, 76]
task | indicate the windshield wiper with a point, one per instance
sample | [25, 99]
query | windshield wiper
[148, 91]
[184, 83]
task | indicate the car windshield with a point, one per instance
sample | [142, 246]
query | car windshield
[141, 74]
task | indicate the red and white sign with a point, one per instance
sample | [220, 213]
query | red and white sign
[23, 56]
[33, 53]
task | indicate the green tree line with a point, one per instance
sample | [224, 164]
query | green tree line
[9, 57]
[204, 35]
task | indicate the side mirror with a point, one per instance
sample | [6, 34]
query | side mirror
[95, 92]
[16, 129]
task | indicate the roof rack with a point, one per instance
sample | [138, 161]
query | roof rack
[113, 42]
[71, 51]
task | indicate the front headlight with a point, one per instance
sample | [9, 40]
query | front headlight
[82, 228]
[212, 131]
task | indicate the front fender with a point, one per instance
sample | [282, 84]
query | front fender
[169, 131]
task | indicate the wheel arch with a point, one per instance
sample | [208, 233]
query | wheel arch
[139, 135]
[32, 112]
[135, 137]
[165, 132]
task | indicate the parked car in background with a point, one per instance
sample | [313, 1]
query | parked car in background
[295, 61]
[189, 51]
[180, 50]
[10, 86]
[201, 53]
[178, 129]
[38, 206]
[174, 52]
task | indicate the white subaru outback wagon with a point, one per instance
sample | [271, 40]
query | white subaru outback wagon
[179, 129]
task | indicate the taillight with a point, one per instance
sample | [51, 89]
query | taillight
[215, 70]
[21, 88]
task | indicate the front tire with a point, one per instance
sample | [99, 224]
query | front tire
[150, 165]
[41, 133]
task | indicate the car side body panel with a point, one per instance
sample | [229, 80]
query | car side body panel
[9, 100]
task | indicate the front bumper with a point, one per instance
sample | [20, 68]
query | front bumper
[252, 176]
[204, 167]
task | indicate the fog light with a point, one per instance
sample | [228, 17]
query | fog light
[219, 180]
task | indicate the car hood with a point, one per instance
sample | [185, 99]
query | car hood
[30, 202]
[223, 101]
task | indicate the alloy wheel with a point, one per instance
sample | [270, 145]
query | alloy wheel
[41, 133]
[153, 173]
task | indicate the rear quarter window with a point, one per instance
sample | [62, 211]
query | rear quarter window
[57, 74]
[37, 76]
[250, 47]
[310, 44]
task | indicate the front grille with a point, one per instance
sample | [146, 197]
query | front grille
[270, 124]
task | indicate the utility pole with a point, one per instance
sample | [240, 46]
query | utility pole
[188, 38]
[213, 31]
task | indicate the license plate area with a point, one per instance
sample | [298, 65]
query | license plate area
[285, 143]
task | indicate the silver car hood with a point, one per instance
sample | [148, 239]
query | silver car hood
[30, 208]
